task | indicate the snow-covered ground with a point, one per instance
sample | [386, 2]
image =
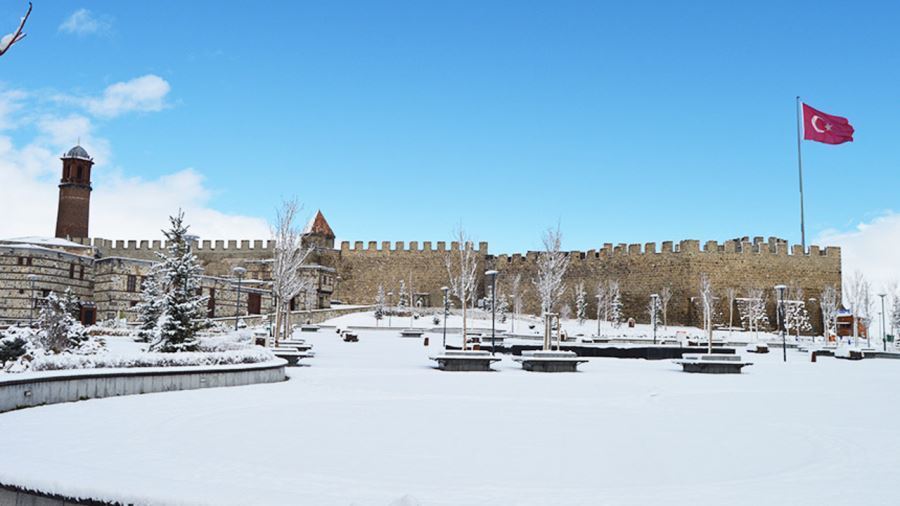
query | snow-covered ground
[371, 423]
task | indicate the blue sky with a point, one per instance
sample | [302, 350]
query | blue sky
[624, 122]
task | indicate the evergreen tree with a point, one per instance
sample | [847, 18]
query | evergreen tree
[151, 307]
[183, 312]
[59, 331]
[379, 304]
[580, 303]
[402, 297]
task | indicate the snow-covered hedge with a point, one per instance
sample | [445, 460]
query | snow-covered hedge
[108, 360]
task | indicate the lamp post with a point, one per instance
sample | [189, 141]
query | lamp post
[492, 276]
[32, 278]
[883, 329]
[654, 300]
[780, 289]
[446, 291]
[239, 272]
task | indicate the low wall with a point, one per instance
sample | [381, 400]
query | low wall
[16, 496]
[69, 386]
[297, 317]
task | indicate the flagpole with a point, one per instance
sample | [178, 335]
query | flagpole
[800, 174]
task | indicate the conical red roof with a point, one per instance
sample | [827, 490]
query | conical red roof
[318, 226]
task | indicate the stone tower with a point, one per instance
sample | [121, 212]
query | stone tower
[318, 232]
[74, 194]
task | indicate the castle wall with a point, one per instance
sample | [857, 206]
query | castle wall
[363, 269]
[54, 270]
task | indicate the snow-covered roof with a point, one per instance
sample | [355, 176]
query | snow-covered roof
[44, 241]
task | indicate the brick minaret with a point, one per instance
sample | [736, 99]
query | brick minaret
[74, 194]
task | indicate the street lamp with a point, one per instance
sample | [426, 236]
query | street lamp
[883, 330]
[654, 300]
[780, 289]
[32, 278]
[492, 276]
[239, 272]
[446, 291]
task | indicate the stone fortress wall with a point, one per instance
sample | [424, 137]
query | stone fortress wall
[641, 269]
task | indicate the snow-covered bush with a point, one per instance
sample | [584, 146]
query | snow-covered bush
[108, 360]
[241, 340]
[58, 331]
[12, 346]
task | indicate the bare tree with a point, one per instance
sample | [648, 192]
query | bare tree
[9, 39]
[707, 299]
[753, 310]
[828, 304]
[857, 293]
[730, 295]
[602, 304]
[551, 269]
[288, 257]
[461, 269]
[665, 295]
[580, 302]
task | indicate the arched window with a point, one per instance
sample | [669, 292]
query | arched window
[78, 177]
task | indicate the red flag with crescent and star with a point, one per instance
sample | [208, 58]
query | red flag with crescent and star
[821, 127]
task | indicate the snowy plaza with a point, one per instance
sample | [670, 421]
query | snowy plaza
[373, 423]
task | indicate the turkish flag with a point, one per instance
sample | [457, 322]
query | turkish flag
[821, 127]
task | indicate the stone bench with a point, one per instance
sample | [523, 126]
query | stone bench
[550, 361]
[411, 333]
[309, 328]
[293, 357]
[849, 354]
[758, 348]
[349, 337]
[295, 346]
[713, 363]
[470, 360]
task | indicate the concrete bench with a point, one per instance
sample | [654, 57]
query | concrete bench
[550, 361]
[293, 357]
[470, 360]
[309, 328]
[411, 333]
[349, 337]
[849, 354]
[295, 346]
[713, 363]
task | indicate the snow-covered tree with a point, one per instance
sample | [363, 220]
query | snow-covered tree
[665, 295]
[461, 266]
[515, 293]
[614, 303]
[653, 311]
[565, 312]
[402, 297]
[707, 301]
[730, 296]
[753, 310]
[379, 304]
[552, 264]
[502, 306]
[796, 317]
[58, 330]
[580, 303]
[289, 255]
[857, 293]
[151, 306]
[828, 304]
[184, 311]
[895, 315]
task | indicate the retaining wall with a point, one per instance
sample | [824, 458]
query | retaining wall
[70, 386]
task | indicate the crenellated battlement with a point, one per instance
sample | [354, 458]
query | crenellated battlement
[757, 246]
[411, 247]
[204, 246]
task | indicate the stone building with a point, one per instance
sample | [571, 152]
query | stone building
[106, 274]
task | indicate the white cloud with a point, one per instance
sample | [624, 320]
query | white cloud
[134, 208]
[123, 207]
[141, 94]
[84, 22]
[872, 248]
